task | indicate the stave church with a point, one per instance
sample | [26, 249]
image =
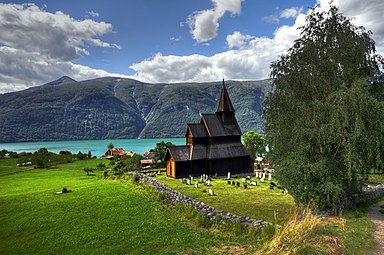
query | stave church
[213, 146]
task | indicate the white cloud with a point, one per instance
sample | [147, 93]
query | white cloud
[37, 46]
[205, 24]
[93, 14]
[284, 14]
[238, 40]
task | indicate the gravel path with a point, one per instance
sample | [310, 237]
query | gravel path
[378, 219]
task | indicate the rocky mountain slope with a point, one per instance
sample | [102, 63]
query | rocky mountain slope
[114, 108]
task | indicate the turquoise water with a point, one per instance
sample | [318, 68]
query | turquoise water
[97, 147]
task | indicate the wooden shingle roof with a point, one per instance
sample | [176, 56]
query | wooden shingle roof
[197, 130]
[225, 104]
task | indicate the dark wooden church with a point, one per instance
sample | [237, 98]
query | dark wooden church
[213, 146]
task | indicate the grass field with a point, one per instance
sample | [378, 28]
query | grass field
[97, 217]
[258, 202]
[118, 217]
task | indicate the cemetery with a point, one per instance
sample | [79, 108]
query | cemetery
[242, 195]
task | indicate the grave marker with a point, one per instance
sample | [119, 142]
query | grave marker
[211, 192]
[269, 177]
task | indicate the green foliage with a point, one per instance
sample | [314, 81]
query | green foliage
[324, 122]
[159, 153]
[128, 164]
[254, 143]
[41, 158]
[110, 145]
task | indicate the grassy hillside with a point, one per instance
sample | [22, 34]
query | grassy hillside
[97, 217]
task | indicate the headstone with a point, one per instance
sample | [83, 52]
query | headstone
[229, 182]
[184, 180]
[211, 192]
[233, 183]
[229, 175]
[248, 177]
[188, 181]
[271, 186]
[181, 180]
[263, 175]
[201, 179]
[285, 191]
[245, 185]
[253, 182]
[215, 175]
[269, 177]
[262, 180]
[257, 174]
[244, 180]
[208, 183]
[238, 184]
[158, 172]
[196, 185]
[191, 178]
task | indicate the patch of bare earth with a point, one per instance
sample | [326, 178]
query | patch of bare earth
[376, 215]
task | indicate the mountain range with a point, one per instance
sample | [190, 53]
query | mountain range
[117, 108]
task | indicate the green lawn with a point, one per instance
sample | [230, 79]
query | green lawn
[97, 217]
[258, 202]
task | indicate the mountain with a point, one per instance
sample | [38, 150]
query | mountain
[115, 108]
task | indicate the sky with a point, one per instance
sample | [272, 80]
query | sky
[157, 41]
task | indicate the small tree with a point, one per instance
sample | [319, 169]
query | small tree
[254, 143]
[41, 158]
[159, 153]
[110, 146]
[89, 154]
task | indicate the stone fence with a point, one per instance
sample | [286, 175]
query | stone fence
[367, 194]
[211, 213]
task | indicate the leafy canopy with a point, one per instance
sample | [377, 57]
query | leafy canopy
[254, 143]
[324, 121]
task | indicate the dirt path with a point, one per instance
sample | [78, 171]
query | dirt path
[378, 219]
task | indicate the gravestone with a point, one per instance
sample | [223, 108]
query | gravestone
[208, 183]
[191, 178]
[233, 183]
[189, 182]
[158, 172]
[263, 175]
[215, 175]
[244, 180]
[285, 191]
[262, 180]
[229, 182]
[229, 175]
[271, 186]
[181, 180]
[196, 185]
[257, 174]
[253, 182]
[201, 179]
[238, 184]
[211, 192]
[245, 185]
[269, 177]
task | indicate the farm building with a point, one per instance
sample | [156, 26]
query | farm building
[213, 146]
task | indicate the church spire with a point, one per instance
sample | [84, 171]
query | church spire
[225, 104]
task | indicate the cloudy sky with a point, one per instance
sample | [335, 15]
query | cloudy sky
[156, 41]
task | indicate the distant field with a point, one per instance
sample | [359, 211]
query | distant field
[258, 202]
[98, 217]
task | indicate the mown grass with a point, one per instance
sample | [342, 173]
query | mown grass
[258, 202]
[98, 217]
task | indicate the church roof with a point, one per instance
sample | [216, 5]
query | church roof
[197, 130]
[178, 153]
[225, 104]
